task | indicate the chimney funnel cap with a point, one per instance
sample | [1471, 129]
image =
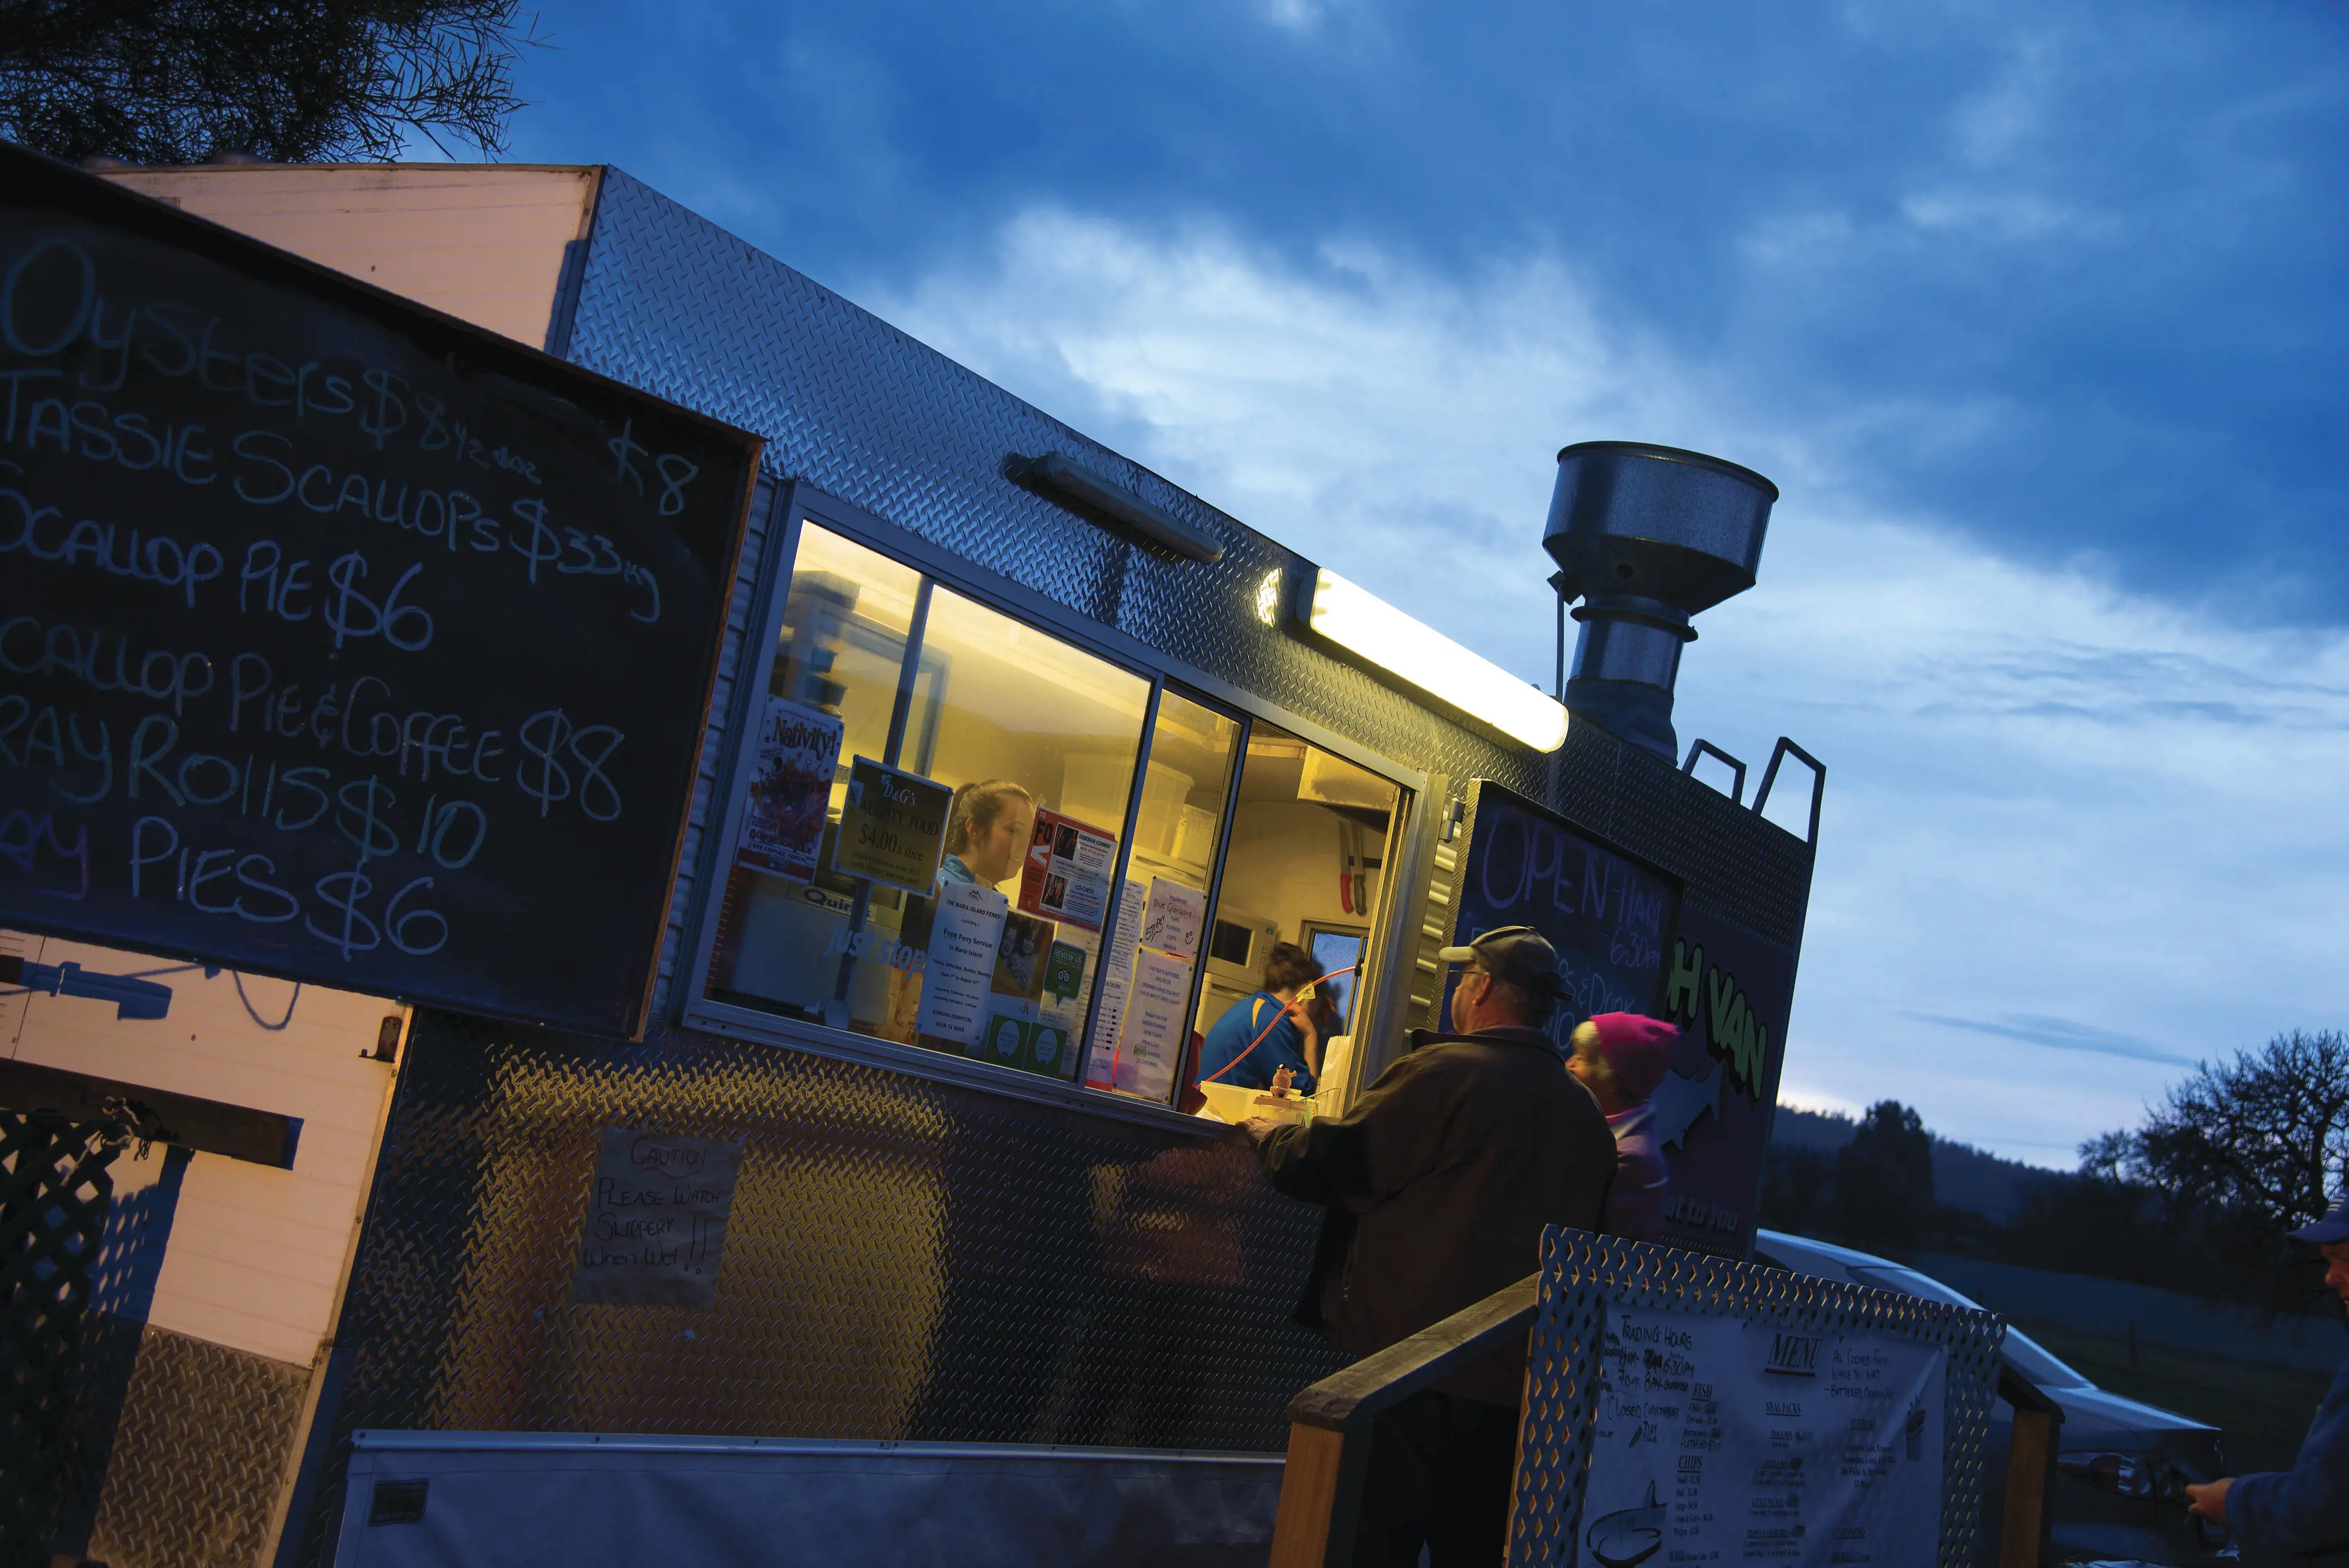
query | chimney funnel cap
[1629, 517]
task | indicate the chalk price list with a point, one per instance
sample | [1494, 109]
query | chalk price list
[272, 610]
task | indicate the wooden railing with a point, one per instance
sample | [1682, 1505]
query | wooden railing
[1330, 1423]
[1329, 1436]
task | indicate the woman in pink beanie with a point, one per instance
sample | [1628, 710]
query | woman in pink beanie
[1620, 1057]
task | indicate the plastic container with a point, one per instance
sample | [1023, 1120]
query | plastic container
[1164, 791]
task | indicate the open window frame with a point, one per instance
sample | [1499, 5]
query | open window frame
[691, 1008]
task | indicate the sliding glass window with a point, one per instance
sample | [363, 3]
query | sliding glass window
[930, 846]
[930, 819]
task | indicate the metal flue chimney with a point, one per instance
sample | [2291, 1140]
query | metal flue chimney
[1647, 537]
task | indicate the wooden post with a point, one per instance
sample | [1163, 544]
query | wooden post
[2030, 1469]
[1330, 1423]
[1308, 1496]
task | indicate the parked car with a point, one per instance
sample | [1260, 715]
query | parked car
[2122, 1467]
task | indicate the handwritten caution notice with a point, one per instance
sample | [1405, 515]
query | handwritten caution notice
[656, 1230]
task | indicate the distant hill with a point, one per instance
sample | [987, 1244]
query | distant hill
[1963, 1176]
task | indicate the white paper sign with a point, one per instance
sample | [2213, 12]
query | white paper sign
[1173, 918]
[1150, 1041]
[964, 935]
[656, 1226]
[1720, 1442]
[1102, 1047]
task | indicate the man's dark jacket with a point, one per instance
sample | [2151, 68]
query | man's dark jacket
[1439, 1184]
[2300, 1515]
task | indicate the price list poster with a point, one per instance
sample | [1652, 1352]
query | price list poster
[338, 639]
[1719, 1441]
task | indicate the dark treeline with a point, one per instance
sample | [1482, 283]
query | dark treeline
[180, 81]
[2198, 1197]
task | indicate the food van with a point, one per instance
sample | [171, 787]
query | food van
[947, 1208]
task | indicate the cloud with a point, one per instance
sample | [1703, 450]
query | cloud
[2062, 1035]
[1298, 16]
[2074, 836]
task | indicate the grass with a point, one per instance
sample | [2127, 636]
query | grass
[2263, 1409]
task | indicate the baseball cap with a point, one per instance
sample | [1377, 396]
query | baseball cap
[1518, 955]
[2333, 1227]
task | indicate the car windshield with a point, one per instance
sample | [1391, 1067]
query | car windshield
[2027, 1355]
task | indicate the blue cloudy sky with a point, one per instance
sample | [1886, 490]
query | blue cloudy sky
[2034, 311]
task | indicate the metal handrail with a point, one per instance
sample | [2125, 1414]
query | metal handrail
[1329, 1436]
[1707, 749]
[1786, 748]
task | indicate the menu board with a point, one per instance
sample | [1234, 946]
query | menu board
[1609, 917]
[1723, 1441]
[341, 641]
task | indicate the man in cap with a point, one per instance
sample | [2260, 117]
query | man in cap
[2299, 1516]
[1437, 1186]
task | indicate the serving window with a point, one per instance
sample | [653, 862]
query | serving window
[953, 829]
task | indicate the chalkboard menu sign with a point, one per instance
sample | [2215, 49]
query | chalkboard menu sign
[1609, 917]
[338, 639]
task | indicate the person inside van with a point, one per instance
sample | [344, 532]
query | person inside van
[1260, 1034]
[987, 831]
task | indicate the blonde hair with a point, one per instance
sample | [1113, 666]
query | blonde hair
[976, 806]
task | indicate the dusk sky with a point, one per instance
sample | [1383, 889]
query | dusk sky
[2034, 312]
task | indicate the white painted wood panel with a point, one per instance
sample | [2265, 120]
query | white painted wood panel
[256, 1253]
[482, 242]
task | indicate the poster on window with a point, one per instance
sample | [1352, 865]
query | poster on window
[1022, 958]
[966, 929]
[1100, 1050]
[893, 826]
[1066, 875]
[1151, 1035]
[1722, 1441]
[790, 786]
[1174, 918]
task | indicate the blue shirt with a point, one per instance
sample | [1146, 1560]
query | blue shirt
[2300, 1515]
[952, 869]
[1242, 1023]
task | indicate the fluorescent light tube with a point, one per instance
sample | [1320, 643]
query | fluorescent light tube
[1374, 631]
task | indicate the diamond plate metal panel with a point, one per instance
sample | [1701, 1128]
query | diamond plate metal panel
[203, 1444]
[905, 1258]
[1583, 1275]
[675, 305]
